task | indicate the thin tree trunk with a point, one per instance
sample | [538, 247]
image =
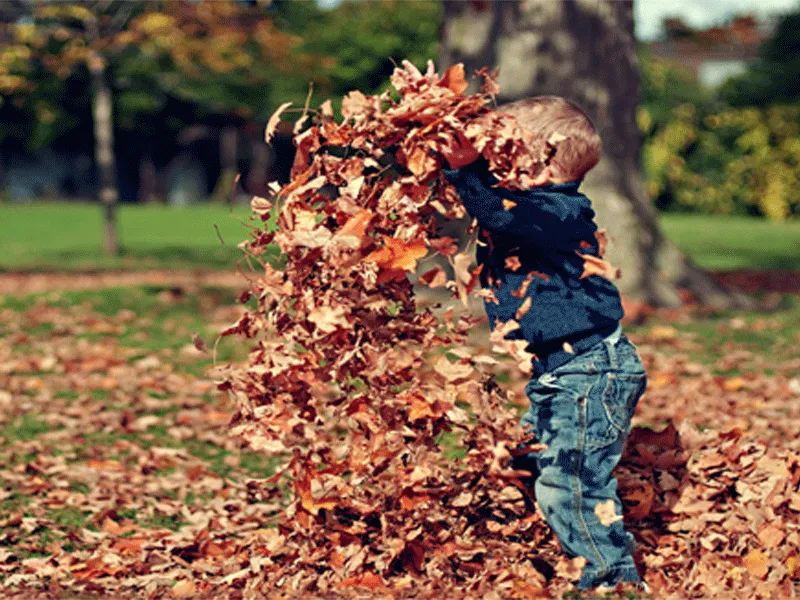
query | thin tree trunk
[104, 153]
[228, 142]
[260, 158]
[585, 51]
[148, 179]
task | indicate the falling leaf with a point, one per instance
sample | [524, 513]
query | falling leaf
[453, 371]
[597, 266]
[461, 263]
[435, 278]
[508, 204]
[398, 255]
[272, 124]
[260, 206]
[512, 263]
[454, 80]
[523, 308]
[199, 343]
[606, 513]
[602, 241]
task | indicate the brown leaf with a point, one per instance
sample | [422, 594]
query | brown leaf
[454, 80]
[513, 263]
[597, 266]
[272, 124]
[199, 343]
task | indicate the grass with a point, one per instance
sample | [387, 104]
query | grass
[726, 243]
[67, 237]
[61, 236]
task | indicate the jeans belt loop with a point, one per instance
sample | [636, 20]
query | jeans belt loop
[610, 343]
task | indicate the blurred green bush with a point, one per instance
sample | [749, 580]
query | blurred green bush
[735, 150]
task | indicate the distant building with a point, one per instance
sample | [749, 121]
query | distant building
[716, 53]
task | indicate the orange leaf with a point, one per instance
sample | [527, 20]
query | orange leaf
[307, 500]
[356, 225]
[757, 563]
[512, 263]
[435, 278]
[597, 266]
[524, 308]
[104, 465]
[771, 535]
[641, 501]
[111, 526]
[132, 545]
[454, 79]
[509, 204]
[183, 589]
[365, 580]
[602, 241]
[397, 254]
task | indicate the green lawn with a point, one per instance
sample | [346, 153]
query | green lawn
[58, 237]
[726, 243]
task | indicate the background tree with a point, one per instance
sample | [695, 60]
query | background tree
[226, 58]
[62, 37]
[363, 41]
[150, 66]
[584, 50]
[775, 76]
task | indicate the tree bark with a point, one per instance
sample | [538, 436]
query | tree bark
[585, 51]
[104, 153]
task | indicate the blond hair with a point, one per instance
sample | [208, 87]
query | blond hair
[557, 120]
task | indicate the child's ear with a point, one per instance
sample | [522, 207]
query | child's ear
[544, 176]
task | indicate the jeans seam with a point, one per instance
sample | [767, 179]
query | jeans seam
[578, 492]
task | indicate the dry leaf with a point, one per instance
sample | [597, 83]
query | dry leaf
[606, 512]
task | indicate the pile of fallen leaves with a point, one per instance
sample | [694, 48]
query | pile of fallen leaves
[353, 384]
[394, 442]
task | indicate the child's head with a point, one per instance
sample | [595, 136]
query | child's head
[544, 117]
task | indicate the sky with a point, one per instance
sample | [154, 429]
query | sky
[700, 13]
[697, 13]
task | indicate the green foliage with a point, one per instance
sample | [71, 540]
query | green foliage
[701, 155]
[365, 39]
[775, 77]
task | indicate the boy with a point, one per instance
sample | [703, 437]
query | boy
[587, 376]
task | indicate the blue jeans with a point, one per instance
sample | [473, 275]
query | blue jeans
[582, 410]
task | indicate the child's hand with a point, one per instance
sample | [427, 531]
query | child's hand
[460, 153]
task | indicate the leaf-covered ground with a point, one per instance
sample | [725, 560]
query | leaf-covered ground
[120, 479]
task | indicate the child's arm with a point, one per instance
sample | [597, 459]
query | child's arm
[539, 218]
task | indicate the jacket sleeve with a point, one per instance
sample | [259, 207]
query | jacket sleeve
[539, 218]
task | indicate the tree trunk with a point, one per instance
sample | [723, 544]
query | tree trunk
[148, 180]
[104, 153]
[261, 156]
[228, 142]
[585, 51]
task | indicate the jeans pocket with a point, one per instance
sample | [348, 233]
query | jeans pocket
[609, 414]
[620, 398]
